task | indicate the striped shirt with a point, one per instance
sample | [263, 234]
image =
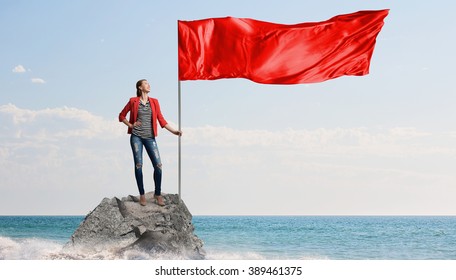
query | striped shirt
[145, 117]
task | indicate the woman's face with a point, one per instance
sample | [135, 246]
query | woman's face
[145, 86]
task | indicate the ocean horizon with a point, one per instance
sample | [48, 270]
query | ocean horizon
[256, 238]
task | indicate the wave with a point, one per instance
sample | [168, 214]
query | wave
[43, 249]
[27, 249]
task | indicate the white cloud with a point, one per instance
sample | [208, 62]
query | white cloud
[62, 157]
[59, 123]
[394, 142]
[38, 81]
[19, 69]
[372, 171]
[80, 158]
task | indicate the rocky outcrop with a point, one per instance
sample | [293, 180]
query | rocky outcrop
[123, 224]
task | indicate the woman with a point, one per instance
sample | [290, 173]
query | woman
[142, 125]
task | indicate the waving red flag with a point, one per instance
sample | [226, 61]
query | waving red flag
[271, 53]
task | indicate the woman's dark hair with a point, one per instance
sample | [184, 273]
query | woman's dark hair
[138, 84]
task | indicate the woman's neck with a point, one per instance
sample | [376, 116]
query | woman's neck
[144, 97]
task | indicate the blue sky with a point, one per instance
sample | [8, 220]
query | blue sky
[381, 144]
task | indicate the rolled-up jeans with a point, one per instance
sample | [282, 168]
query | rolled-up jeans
[137, 144]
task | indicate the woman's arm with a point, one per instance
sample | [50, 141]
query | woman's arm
[123, 116]
[127, 123]
[172, 130]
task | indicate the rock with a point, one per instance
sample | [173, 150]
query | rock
[123, 224]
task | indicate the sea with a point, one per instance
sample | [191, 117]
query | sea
[257, 238]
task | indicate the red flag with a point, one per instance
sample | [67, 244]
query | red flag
[271, 53]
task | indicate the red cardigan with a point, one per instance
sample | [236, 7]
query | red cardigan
[132, 107]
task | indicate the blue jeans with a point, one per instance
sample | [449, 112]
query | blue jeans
[137, 144]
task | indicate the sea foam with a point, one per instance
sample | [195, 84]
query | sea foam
[42, 249]
[27, 249]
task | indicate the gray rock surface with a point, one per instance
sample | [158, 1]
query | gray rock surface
[120, 225]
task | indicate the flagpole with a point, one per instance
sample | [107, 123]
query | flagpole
[179, 141]
[179, 121]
